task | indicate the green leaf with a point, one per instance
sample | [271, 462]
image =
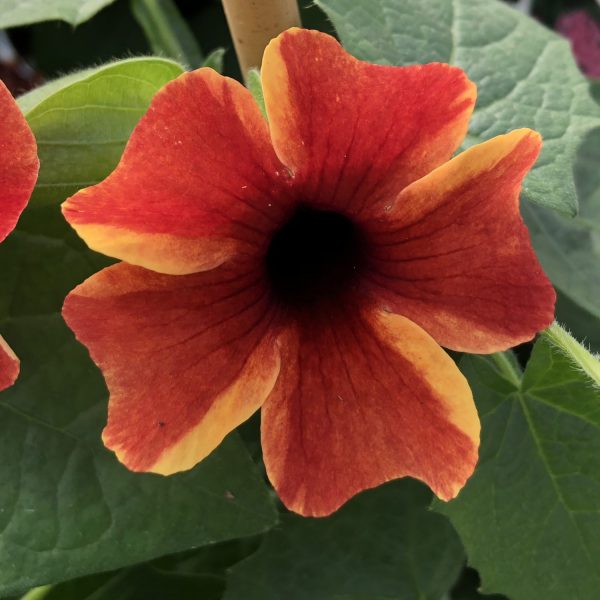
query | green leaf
[530, 515]
[569, 249]
[383, 543]
[67, 507]
[526, 75]
[167, 31]
[192, 574]
[19, 12]
[31, 99]
[138, 583]
[158, 71]
[595, 89]
[215, 60]
[254, 84]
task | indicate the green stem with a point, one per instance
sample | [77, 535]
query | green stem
[166, 31]
[579, 356]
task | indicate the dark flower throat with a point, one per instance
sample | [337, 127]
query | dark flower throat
[315, 256]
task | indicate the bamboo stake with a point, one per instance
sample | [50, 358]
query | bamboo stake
[254, 23]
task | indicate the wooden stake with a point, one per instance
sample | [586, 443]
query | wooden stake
[254, 23]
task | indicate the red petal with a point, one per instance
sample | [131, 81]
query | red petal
[454, 255]
[362, 399]
[186, 359]
[9, 365]
[198, 182]
[355, 133]
[19, 165]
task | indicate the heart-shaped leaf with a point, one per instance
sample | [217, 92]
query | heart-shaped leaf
[530, 515]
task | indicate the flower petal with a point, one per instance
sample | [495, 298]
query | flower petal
[19, 165]
[455, 256]
[9, 365]
[186, 359]
[198, 181]
[356, 133]
[362, 399]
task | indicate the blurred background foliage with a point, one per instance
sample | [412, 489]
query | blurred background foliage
[54, 48]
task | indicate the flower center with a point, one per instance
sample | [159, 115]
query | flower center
[314, 256]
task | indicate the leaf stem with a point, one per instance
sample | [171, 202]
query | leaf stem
[254, 23]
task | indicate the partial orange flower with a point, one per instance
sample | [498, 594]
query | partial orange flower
[311, 265]
[18, 173]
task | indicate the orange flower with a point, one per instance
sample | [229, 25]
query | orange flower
[18, 172]
[310, 265]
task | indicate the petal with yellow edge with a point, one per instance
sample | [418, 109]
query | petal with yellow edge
[19, 167]
[186, 359]
[19, 163]
[364, 398]
[9, 365]
[454, 255]
[198, 182]
[354, 133]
